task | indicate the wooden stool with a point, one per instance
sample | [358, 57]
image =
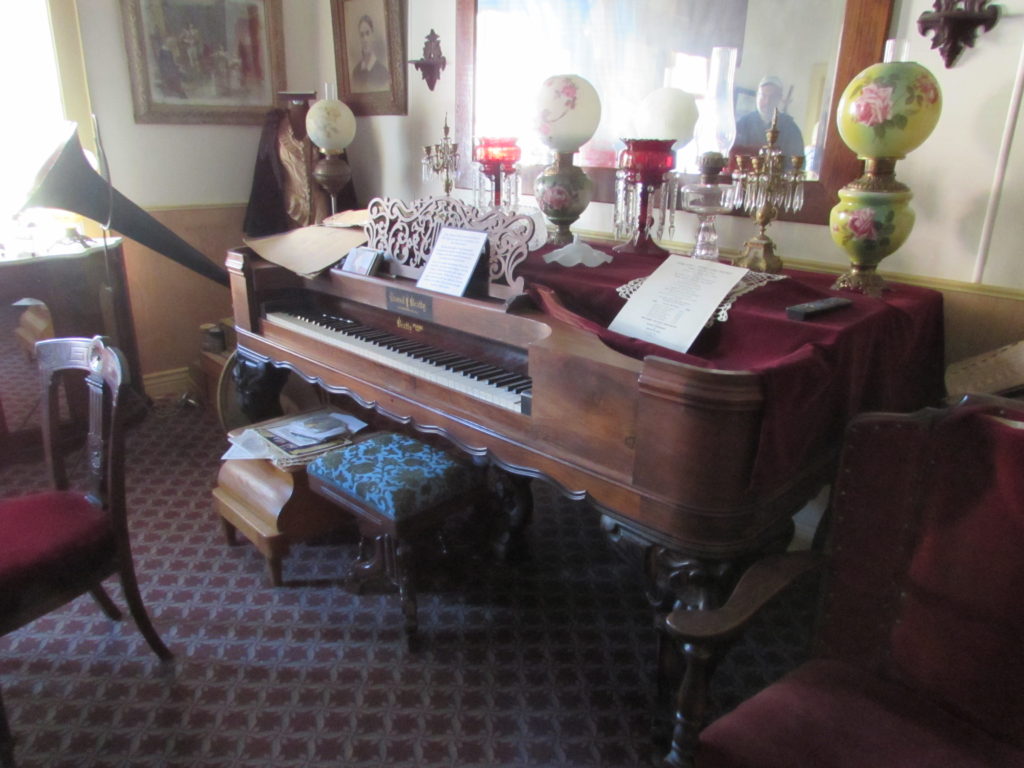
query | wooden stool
[271, 507]
[399, 489]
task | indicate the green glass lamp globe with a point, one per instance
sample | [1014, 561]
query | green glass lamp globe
[889, 109]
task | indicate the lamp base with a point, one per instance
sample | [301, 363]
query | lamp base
[759, 255]
[332, 172]
[642, 245]
[862, 280]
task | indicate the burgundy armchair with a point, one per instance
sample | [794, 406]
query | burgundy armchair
[61, 543]
[919, 656]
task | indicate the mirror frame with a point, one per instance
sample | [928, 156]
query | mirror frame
[861, 43]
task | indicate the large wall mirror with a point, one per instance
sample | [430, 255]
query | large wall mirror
[629, 49]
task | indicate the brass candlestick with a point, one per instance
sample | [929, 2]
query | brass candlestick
[767, 184]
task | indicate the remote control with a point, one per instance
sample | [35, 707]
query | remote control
[811, 309]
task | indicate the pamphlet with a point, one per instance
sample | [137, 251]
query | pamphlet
[676, 301]
[453, 261]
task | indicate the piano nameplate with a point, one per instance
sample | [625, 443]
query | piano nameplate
[411, 304]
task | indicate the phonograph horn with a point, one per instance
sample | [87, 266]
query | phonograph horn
[67, 181]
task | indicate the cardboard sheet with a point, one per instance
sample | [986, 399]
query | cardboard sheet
[308, 251]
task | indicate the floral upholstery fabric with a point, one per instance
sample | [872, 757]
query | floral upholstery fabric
[397, 475]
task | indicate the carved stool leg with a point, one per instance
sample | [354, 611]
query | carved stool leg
[406, 589]
[371, 568]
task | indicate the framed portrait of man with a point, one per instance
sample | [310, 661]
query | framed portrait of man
[369, 52]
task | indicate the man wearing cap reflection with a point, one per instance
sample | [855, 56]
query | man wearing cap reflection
[752, 127]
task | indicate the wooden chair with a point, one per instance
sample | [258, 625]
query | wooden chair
[919, 657]
[401, 490]
[62, 543]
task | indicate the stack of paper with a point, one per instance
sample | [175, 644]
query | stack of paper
[294, 439]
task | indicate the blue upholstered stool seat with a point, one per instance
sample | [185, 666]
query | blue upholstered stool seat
[400, 490]
[396, 475]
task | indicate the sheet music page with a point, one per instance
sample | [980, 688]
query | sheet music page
[674, 303]
[452, 261]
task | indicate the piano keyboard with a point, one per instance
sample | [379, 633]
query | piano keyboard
[483, 381]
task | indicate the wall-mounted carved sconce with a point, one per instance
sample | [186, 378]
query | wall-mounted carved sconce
[433, 60]
[954, 25]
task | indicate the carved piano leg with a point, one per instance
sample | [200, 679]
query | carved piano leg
[259, 386]
[515, 502]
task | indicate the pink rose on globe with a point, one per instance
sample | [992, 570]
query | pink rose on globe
[556, 198]
[862, 223]
[929, 90]
[874, 105]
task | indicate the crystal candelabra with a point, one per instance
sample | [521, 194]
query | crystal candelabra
[642, 168]
[442, 160]
[498, 176]
[767, 185]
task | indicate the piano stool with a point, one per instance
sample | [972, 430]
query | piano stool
[271, 507]
[401, 491]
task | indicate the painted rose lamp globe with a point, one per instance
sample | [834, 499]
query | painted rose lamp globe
[886, 111]
[568, 113]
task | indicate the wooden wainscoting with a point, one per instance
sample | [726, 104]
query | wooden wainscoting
[170, 302]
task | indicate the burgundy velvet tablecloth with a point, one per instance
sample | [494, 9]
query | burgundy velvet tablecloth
[875, 355]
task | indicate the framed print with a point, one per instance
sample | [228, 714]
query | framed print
[204, 61]
[369, 54]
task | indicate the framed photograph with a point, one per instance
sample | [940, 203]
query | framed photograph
[363, 261]
[369, 54]
[204, 61]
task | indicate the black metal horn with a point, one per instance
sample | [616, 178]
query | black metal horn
[69, 183]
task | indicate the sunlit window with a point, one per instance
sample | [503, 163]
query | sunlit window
[34, 116]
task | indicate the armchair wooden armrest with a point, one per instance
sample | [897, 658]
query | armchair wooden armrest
[760, 583]
[704, 635]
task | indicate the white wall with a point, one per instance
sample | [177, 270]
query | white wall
[952, 175]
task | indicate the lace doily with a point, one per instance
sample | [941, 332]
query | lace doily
[749, 282]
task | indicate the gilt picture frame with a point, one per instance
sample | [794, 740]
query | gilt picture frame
[369, 54]
[204, 61]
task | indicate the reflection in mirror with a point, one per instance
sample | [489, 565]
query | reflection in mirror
[627, 49]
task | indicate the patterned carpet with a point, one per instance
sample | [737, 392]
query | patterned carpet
[545, 663]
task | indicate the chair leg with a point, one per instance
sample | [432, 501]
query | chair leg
[138, 611]
[100, 595]
[6, 738]
[690, 706]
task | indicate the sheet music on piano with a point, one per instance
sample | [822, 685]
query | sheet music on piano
[454, 259]
[674, 304]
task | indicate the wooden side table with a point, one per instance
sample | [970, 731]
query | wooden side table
[271, 507]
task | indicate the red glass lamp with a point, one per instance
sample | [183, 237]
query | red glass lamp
[498, 160]
[642, 168]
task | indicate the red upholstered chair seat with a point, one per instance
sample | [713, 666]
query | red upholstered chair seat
[829, 713]
[49, 534]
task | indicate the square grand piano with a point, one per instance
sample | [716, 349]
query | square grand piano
[701, 458]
